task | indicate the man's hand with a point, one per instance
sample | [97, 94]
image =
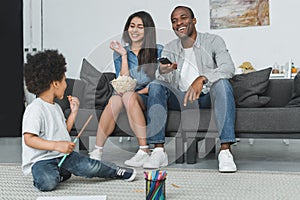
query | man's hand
[167, 68]
[194, 91]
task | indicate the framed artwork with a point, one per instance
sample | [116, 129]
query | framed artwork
[238, 13]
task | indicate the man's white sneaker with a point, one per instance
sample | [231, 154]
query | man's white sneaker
[158, 158]
[96, 154]
[138, 159]
[226, 163]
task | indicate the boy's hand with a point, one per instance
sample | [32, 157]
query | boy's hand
[64, 146]
[74, 103]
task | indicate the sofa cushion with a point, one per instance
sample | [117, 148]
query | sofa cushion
[248, 120]
[267, 120]
[249, 88]
[98, 88]
[295, 101]
[201, 120]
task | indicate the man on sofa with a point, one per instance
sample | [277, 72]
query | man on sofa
[197, 78]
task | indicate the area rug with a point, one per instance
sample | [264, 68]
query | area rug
[180, 184]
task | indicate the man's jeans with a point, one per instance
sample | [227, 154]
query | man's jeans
[162, 96]
[46, 173]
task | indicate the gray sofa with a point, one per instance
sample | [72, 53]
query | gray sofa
[273, 120]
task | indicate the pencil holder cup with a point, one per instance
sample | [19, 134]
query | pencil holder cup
[155, 189]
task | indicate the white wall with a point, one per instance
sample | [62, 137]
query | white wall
[84, 28]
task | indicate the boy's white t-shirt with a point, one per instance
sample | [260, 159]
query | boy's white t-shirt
[47, 121]
[189, 71]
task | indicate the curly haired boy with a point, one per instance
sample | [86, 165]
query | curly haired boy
[45, 131]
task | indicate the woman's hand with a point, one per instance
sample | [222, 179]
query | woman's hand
[143, 91]
[117, 47]
[119, 93]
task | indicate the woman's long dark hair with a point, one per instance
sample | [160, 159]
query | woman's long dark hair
[147, 56]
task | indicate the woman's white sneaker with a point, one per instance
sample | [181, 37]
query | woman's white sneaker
[138, 159]
[96, 154]
[157, 159]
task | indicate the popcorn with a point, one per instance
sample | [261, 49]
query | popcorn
[124, 84]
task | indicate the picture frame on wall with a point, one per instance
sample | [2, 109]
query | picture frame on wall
[238, 13]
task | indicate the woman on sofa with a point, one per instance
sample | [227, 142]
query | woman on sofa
[137, 59]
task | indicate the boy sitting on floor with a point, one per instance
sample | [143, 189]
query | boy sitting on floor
[45, 131]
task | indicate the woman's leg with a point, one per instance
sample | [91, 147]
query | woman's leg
[108, 119]
[134, 106]
[106, 125]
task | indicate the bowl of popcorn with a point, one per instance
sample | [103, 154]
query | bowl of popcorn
[124, 84]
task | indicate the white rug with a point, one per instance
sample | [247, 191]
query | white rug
[180, 184]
